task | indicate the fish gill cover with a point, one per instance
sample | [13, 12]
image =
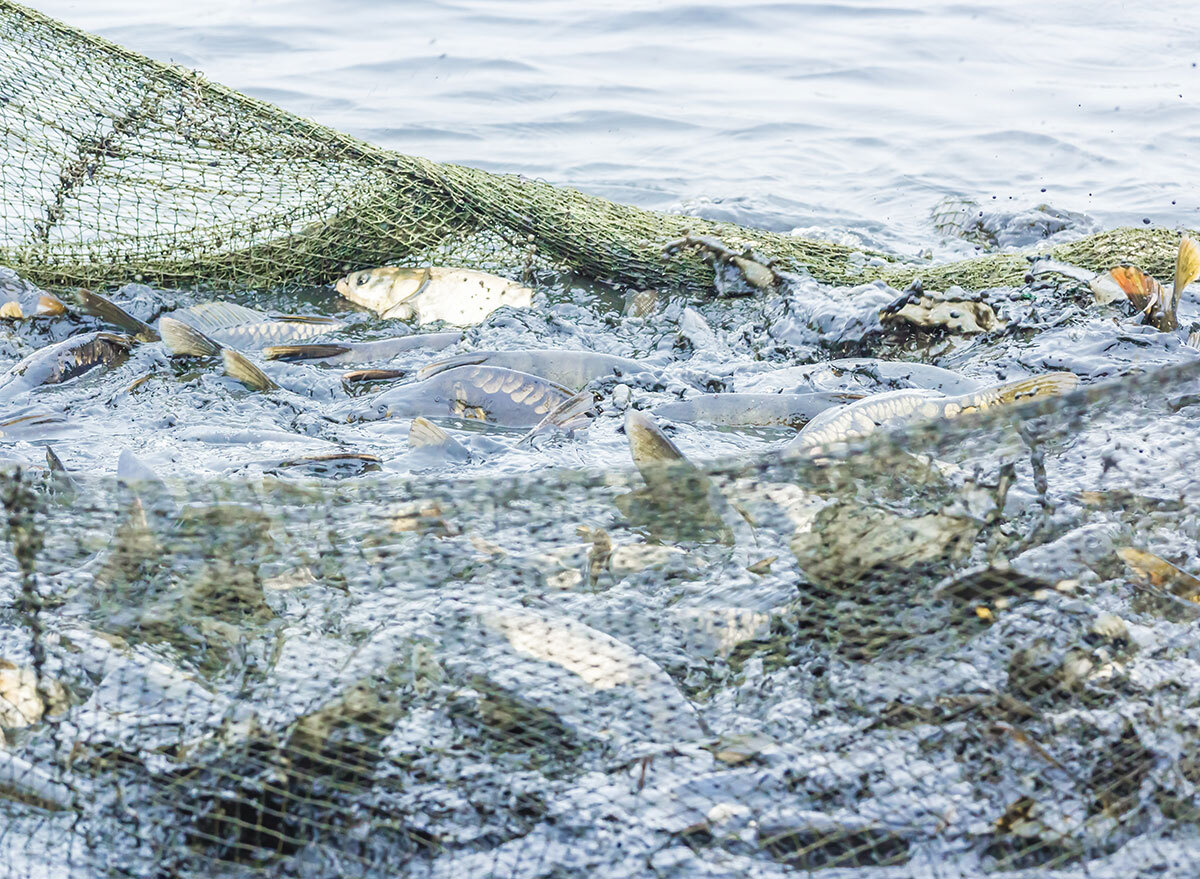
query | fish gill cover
[965, 647]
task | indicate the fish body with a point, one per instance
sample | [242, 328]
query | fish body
[20, 299]
[754, 410]
[483, 393]
[572, 369]
[247, 329]
[853, 374]
[461, 297]
[894, 408]
[381, 350]
[64, 361]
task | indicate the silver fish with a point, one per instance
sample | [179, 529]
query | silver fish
[481, 393]
[460, 297]
[64, 361]
[333, 353]
[857, 374]
[249, 330]
[753, 410]
[894, 408]
[572, 369]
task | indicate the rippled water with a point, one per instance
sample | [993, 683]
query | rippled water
[857, 117]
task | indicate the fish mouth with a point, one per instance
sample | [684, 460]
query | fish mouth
[342, 285]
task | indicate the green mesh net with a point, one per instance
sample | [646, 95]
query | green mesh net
[120, 168]
[964, 649]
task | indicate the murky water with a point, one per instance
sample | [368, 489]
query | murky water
[855, 117]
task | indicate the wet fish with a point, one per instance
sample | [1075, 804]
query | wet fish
[106, 309]
[434, 443]
[575, 413]
[1129, 282]
[461, 297]
[481, 393]
[247, 329]
[64, 361]
[20, 299]
[679, 498]
[894, 408]
[1160, 572]
[572, 369]
[857, 373]
[239, 368]
[333, 353]
[753, 410]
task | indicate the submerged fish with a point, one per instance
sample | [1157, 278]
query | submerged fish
[247, 329]
[754, 410]
[679, 499]
[433, 443]
[858, 373]
[482, 393]
[64, 361]
[573, 369]
[360, 352]
[894, 408]
[461, 297]
[1160, 572]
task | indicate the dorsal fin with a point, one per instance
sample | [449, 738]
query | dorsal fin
[238, 367]
[186, 341]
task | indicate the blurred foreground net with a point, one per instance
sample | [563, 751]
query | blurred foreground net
[118, 168]
[946, 653]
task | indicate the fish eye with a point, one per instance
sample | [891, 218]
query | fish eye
[362, 279]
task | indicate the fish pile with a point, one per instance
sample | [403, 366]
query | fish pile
[778, 642]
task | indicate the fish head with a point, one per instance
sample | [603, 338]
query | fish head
[382, 289]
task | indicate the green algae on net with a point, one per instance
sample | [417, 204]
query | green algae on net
[258, 197]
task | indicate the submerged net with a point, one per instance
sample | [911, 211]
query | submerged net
[447, 679]
[945, 652]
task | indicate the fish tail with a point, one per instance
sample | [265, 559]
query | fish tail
[574, 413]
[431, 369]
[238, 367]
[1047, 385]
[54, 462]
[304, 352]
[1187, 267]
[185, 341]
[107, 310]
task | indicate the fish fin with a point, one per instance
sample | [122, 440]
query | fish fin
[400, 311]
[239, 368]
[1187, 267]
[372, 375]
[11, 310]
[573, 413]
[1141, 289]
[54, 462]
[1193, 339]
[424, 432]
[212, 317]
[1047, 385]
[183, 340]
[107, 310]
[316, 320]
[304, 352]
[50, 305]
[471, 358]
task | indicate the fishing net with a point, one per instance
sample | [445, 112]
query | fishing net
[119, 168]
[942, 660]
[952, 651]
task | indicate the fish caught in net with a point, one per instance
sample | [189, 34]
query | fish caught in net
[878, 570]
